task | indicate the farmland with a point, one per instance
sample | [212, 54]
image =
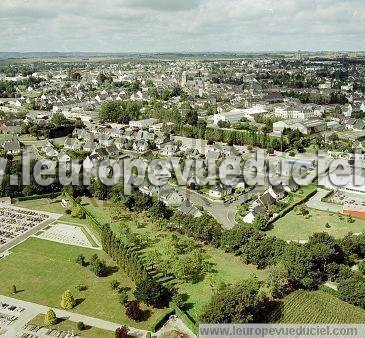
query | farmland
[305, 307]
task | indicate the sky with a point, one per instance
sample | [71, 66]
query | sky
[181, 25]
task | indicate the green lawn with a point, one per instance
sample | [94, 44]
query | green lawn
[50, 205]
[42, 270]
[314, 307]
[69, 326]
[295, 227]
[228, 268]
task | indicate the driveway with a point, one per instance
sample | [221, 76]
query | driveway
[224, 213]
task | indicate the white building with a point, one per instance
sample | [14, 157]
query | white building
[143, 124]
[235, 115]
[299, 112]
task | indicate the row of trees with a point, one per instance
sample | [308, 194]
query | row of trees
[252, 137]
[127, 257]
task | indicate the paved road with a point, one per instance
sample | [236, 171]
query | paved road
[315, 202]
[32, 310]
[224, 213]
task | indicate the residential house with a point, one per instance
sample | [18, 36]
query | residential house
[220, 191]
[188, 208]
[140, 146]
[169, 149]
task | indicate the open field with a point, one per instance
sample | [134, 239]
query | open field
[294, 227]
[42, 270]
[54, 205]
[50, 205]
[227, 267]
[67, 325]
[304, 307]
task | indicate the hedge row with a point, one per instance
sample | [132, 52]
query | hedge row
[161, 320]
[188, 321]
[286, 210]
[37, 197]
[88, 214]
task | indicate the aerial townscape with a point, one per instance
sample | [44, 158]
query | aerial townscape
[153, 192]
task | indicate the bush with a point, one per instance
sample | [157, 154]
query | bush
[98, 266]
[78, 212]
[67, 302]
[80, 259]
[68, 212]
[114, 284]
[80, 326]
[361, 266]
[123, 297]
[133, 310]
[122, 332]
[81, 287]
[50, 318]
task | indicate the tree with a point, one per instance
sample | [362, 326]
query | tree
[100, 190]
[122, 332]
[59, 120]
[191, 115]
[238, 303]
[80, 326]
[191, 267]
[353, 290]
[50, 318]
[159, 209]
[117, 193]
[98, 267]
[67, 302]
[120, 111]
[278, 278]
[261, 221]
[152, 293]
[297, 259]
[133, 310]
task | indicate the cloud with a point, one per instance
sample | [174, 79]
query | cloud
[163, 5]
[186, 25]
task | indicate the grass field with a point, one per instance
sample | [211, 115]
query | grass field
[305, 307]
[228, 268]
[294, 227]
[42, 270]
[46, 204]
[69, 326]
